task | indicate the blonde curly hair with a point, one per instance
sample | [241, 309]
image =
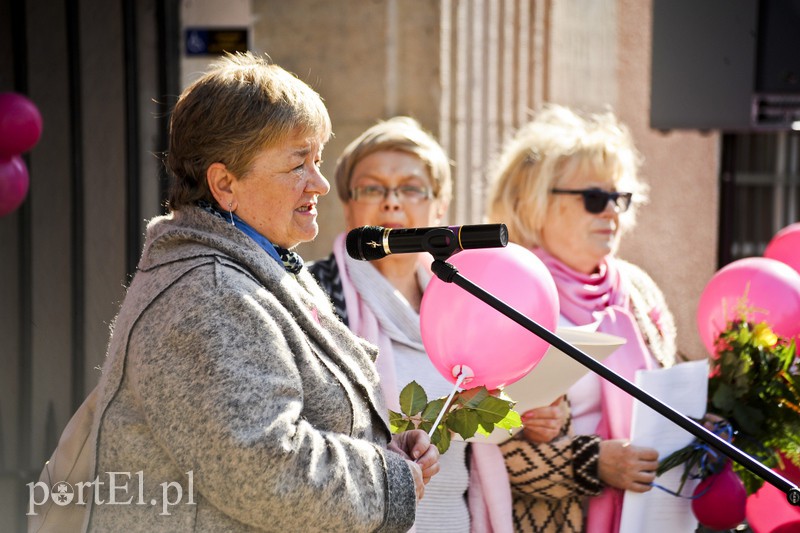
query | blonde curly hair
[555, 145]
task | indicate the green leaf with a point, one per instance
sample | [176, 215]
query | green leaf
[464, 422]
[723, 398]
[441, 439]
[413, 399]
[471, 398]
[398, 423]
[436, 435]
[426, 426]
[485, 428]
[493, 409]
[444, 444]
[510, 421]
[676, 458]
[432, 410]
[748, 419]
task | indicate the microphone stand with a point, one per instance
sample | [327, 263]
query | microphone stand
[449, 274]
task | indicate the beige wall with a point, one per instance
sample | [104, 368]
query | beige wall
[470, 71]
[676, 237]
[368, 60]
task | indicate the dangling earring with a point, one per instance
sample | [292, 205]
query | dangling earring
[230, 212]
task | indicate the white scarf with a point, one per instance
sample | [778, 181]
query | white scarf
[489, 488]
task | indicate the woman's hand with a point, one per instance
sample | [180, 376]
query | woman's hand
[713, 423]
[624, 466]
[419, 481]
[415, 446]
[543, 424]
[721, 428]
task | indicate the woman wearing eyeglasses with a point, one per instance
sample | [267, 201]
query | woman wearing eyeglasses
[567, 186]
[396, 175]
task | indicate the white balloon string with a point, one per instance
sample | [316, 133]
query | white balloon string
[459, 379]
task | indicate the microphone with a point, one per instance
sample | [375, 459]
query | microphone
[368, 243]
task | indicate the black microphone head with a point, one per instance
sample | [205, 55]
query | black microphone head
[366, 243]
[482, 236]
[503, 235]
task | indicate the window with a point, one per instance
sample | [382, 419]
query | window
[760, 191]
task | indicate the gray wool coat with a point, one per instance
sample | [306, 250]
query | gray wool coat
[233, 399]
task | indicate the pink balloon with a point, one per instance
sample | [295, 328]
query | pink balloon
[720, 500]
[462, 333]
[13, 184]
[772, 289]
[785, 246]
[769, 510]
[20, 124]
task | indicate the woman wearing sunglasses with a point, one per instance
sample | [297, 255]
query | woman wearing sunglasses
[567, 187]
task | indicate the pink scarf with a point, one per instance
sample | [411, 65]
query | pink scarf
[604, 297]
[489, 493]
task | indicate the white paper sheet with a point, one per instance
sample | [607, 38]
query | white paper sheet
[554, 374]
[684, 387]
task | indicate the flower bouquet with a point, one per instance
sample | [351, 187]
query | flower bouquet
[755, 384]
[754, 388]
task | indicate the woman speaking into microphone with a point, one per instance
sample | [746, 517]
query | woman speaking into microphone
[228, 376]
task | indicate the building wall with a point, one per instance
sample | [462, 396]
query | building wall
[368, 60]
[676, 237]
[471, 70]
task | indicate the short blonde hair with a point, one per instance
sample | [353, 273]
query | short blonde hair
[557, 144]
[241, 106]
[398, 134]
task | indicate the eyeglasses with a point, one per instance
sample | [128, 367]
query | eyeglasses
[373, 194]
[596, 200]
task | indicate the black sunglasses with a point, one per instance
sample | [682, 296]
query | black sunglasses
[596, 200]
